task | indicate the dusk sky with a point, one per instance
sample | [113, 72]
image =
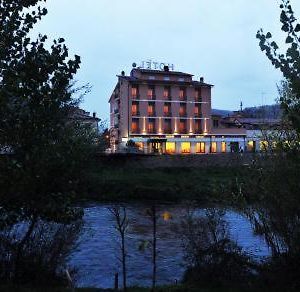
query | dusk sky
[214, 39]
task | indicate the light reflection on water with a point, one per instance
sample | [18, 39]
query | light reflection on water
[96, 256]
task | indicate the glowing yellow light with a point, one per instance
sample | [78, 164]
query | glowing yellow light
[175, 126]
[223, 147]
[185, 147]
[167, 216]
[191, 126]
[205, 126]
[144, 125]
[170, 147]
[159, 126]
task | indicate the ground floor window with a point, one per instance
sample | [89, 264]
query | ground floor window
[251, 146]
[185, 147]
[140, 145]
[170, 147]
[223, 147]
[200, 147]
[213, 147]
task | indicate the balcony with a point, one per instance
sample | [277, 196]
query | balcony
[135, 131]
[151, 97]
[168, 131]
[137, 96]
[151, 114]
[136, 113]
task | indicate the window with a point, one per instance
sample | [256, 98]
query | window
[135, 126]
[223, 147]
[216, 123]
[198, 94]
[167, 109]
[181, 79]
[167, 94]
[198, 128]
[170, 147]
[151, 109]
[182, 94]
[134, 92]
[182, 127]
[140, 145]
[251, 146]
[185, 147]
[197, 110]
[134, 109]
[151, 126]
[166, 78]
[167, 126]
[213, 147]
[200, 147]
[151, 92]
[182, 110]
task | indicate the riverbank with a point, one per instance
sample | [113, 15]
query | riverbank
[115, 182]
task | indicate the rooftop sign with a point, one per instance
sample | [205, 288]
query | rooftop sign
[153, 65]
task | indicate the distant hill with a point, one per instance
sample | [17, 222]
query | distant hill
[261, 112]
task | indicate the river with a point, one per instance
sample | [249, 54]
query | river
[97, 251]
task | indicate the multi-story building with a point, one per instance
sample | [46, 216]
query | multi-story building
[164, 111]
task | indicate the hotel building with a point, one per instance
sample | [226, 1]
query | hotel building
[168, 112]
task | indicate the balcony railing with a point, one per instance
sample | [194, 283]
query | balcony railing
[135, 131]
[152, 131]
[168, 131]
[182, 98]
[183, 131]
[197, 115]
[151, 97]
[136, 113]
[167, 114]
[137, 96]
[182, 114]
[198, 99]
[151, 114]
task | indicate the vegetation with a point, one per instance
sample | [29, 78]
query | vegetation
[40, 170]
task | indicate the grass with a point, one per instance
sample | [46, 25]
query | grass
[164, 184]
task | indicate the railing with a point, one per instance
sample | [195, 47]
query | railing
[137, 96]
[151, 97]
[137, 113]
[135, 131]
[151, 114]
[167, 114]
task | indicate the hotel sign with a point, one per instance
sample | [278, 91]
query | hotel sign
[153, 65]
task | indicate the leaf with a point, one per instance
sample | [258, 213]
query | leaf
[274, 45]
[297, 28]
[289, 40]
[285, 27]
[268, 35]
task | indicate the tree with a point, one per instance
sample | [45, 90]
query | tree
[42, 174]
[122, 224]
[288, 62]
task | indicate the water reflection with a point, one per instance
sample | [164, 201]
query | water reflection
[97, 253]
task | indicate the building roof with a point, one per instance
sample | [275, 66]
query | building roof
[167, 82]
[163, 72]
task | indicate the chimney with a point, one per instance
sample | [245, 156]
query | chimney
[94, 115]
[123, 73]
[166, 68]
[202, 79]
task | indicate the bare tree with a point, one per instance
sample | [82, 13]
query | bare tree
[122, 223]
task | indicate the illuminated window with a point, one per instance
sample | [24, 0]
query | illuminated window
[134, 92]
[182, 110]
[185, 147]
[167, 92]
[135, 126]
[182, 127]
[151, 109]
[198, 127]
[167, 109]
[223, 147]
[213, 147]
[170, 147]
[167, 126]
[150, 93]
[151, 126]
[250, 146]
[198, 94]
[140, 145]
[182, 94]
[134, 109]
[263, 145]
[200, 147]
[197, 110]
